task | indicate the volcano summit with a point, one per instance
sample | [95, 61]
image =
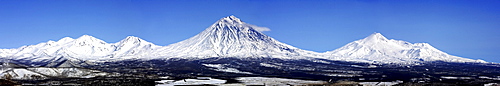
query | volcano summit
[230, 37]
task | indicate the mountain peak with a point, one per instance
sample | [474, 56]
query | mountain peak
[66, 39]
[230, 37]
[231, 20]
[377, 48]
[85, 39]
[375, 36]
[131, 39]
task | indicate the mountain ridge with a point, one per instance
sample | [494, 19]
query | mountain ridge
[76, 51]
[377, 48]
[228, 37]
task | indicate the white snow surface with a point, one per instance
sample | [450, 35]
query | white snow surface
[19, 74]
[210, 81]
[269, 81]
[223, 68]
[83, 48]
[228, 37]
[380, 83]
[378, 49]
[68, 72]
[44, 73]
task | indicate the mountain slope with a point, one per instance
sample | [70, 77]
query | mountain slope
[378, 49]
[18, 72]
[68, 52]
[230, 37]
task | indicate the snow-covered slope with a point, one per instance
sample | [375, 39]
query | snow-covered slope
[45, 73]
[14, 71]
[133, 46]
[378, 49]
[230, 37]
[84, 48]
[68, 72]
[7, 52]
[20, 73]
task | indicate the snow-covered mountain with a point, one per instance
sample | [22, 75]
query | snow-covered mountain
[45, 73]
[15, 71]
[230, 37]
[68, 52]
[378, 49]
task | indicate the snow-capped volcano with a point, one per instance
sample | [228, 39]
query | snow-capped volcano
[133, 46]
[377, 48]
[230, 37]
[66, 51]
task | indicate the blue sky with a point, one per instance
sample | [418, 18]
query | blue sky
[465, 28]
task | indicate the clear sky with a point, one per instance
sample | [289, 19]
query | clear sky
[465, 28]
